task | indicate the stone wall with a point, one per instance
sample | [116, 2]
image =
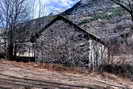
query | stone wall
[62, 43]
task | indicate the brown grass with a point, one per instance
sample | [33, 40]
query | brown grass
[50, 67]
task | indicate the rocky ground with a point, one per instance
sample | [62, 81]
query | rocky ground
[14, 75]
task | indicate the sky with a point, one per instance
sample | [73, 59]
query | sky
[52, 6]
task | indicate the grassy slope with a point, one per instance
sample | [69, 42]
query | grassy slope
[58, 75]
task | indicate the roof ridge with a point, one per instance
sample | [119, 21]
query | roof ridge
[38, 34]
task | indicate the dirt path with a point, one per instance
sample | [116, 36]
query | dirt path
[16, 75]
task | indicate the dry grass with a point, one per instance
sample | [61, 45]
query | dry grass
[50, 67]
[61, 74]
[119, 71]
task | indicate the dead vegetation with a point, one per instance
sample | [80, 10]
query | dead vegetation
[50, 67]
[16, 75]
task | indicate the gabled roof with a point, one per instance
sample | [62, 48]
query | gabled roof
[59, 17]
[31, 30]
[36, 23]
[26, 29]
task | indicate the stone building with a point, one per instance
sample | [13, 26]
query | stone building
[64, 42]
[59, 40]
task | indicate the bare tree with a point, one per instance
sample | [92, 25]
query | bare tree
[12, 12]
[125, 4]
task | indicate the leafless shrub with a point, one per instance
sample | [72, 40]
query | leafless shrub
[12, 12]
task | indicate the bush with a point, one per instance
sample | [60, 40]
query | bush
[120, 70]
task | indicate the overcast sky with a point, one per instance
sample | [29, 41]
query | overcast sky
[50, 6]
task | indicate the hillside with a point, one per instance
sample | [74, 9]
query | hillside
[14, 75]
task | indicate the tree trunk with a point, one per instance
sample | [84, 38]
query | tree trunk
[10, 44]
[10, 51]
